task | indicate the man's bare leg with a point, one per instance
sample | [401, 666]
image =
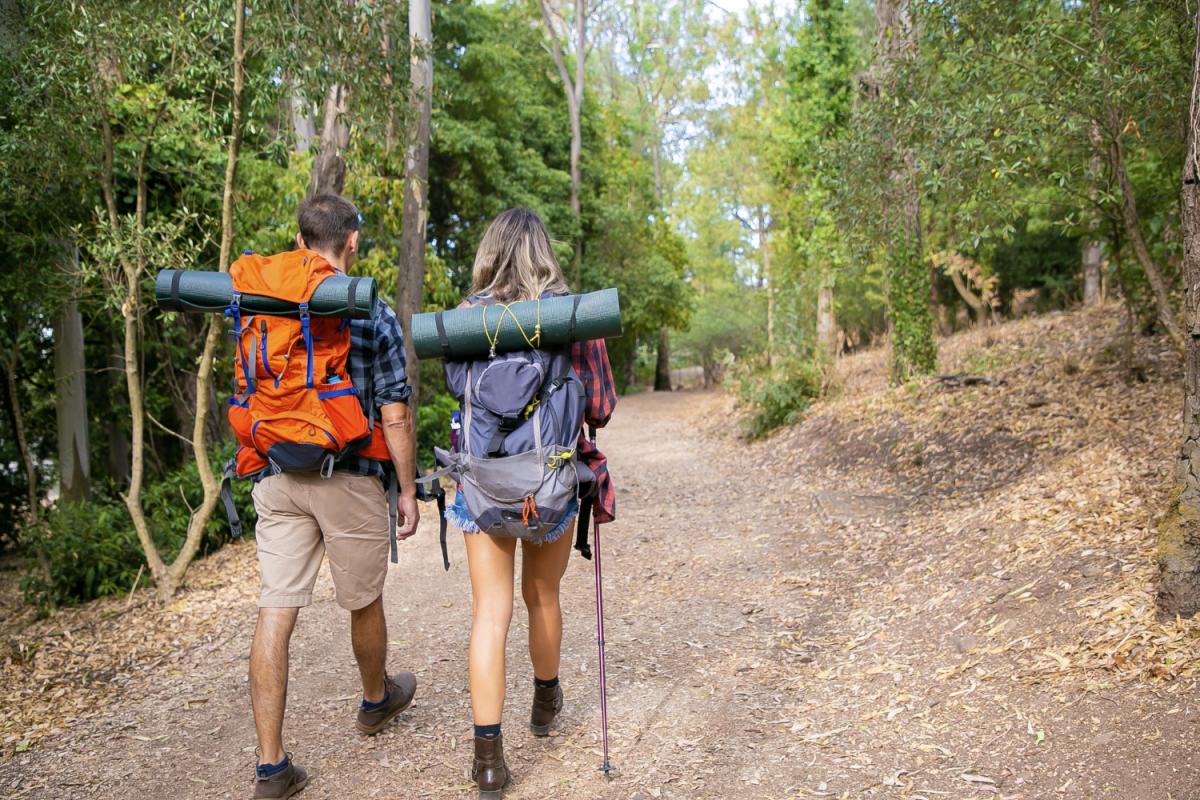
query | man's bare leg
[269, 679]
[368, 636]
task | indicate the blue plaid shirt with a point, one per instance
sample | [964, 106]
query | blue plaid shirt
[376, 367]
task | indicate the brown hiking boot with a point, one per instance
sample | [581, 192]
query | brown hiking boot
[284, 783]
[400, 693]
[546, 705]
[489, 771]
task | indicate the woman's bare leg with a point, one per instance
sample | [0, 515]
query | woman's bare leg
[542, 568]
[490, 560]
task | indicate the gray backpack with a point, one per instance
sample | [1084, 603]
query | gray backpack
[522, 413]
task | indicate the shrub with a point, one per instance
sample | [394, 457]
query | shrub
[169, 502]
[80, 551]
[778, 397]
[433, 423]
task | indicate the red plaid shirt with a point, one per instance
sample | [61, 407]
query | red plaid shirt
[590, 360]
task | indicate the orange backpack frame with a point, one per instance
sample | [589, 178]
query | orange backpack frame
[295, 408]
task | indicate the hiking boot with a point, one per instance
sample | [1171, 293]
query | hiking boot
[284, 783]
[489, 771]
[400, 693]
[546, 705]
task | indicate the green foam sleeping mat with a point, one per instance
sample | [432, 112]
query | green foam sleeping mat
[197, 290]
[470, 332]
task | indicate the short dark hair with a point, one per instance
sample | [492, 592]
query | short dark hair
[326, 221]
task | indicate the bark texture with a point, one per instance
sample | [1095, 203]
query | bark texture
[18, 425]
[329, 168]
[409, 286]
[70, 398]
[1093, 260]
[827, 332]
[764, 251]
[1178, 552]
[662, 367]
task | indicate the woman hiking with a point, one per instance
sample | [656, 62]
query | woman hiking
[515, 262]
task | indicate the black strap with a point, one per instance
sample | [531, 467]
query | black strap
[235, 522]
[495, 448]
[441, 503]
[351, 293]
[581, 531]
[574, 309]
[393, 494]
[175, 279]
[441, 331]
[434, 491]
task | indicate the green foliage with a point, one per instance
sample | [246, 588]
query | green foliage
[913, 349]
[779, 397]
[433, 422]
[727, 322]
[81, 551]
[78, 552]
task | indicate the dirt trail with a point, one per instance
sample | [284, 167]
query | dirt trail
[754, 652]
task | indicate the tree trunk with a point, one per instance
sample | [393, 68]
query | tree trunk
[389, 81]
[329, 169]
[764, 250]
[134, 266]
[574, 92]
[303, 128]
[204, 372]
[914, 351]
[976, 304]
[1178, 553]
[1093, 247]
[18, 423]
[70, 396]
[409, 286]
[1093, 261]
[827, 333]
[1130, 217]
[662, 367]
[1133, 230]
[118, 438]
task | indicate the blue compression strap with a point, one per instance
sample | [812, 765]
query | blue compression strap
[308, 343]
[235, 311]
[332, 393]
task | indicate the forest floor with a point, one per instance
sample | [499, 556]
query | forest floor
[934, 591]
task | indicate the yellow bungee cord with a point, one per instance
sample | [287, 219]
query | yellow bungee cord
[493, 339]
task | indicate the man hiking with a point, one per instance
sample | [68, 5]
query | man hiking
[340, 509]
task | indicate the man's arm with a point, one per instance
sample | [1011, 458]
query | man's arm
[399, 433]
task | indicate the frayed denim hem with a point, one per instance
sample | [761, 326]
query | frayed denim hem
[458, 515]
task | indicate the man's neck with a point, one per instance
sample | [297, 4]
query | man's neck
[334, 261]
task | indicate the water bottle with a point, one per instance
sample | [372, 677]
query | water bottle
[455, 427]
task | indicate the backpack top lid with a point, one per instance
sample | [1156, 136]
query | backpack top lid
[291, 276]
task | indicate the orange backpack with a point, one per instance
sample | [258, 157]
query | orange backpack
[295, 408]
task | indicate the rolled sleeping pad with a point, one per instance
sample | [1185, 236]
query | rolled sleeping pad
[198, 290]
[564, 319]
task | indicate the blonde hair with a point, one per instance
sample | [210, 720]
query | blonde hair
[515, 260]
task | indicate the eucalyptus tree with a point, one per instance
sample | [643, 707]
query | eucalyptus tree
[1178, 550]
[566, 26]
[409, 284]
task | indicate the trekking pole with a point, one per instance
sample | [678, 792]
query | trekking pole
[606, 768]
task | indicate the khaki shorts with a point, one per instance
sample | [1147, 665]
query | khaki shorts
[301, 516]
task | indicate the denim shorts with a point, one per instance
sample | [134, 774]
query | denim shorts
[458, 515]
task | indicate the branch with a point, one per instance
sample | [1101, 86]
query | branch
[556, 52]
